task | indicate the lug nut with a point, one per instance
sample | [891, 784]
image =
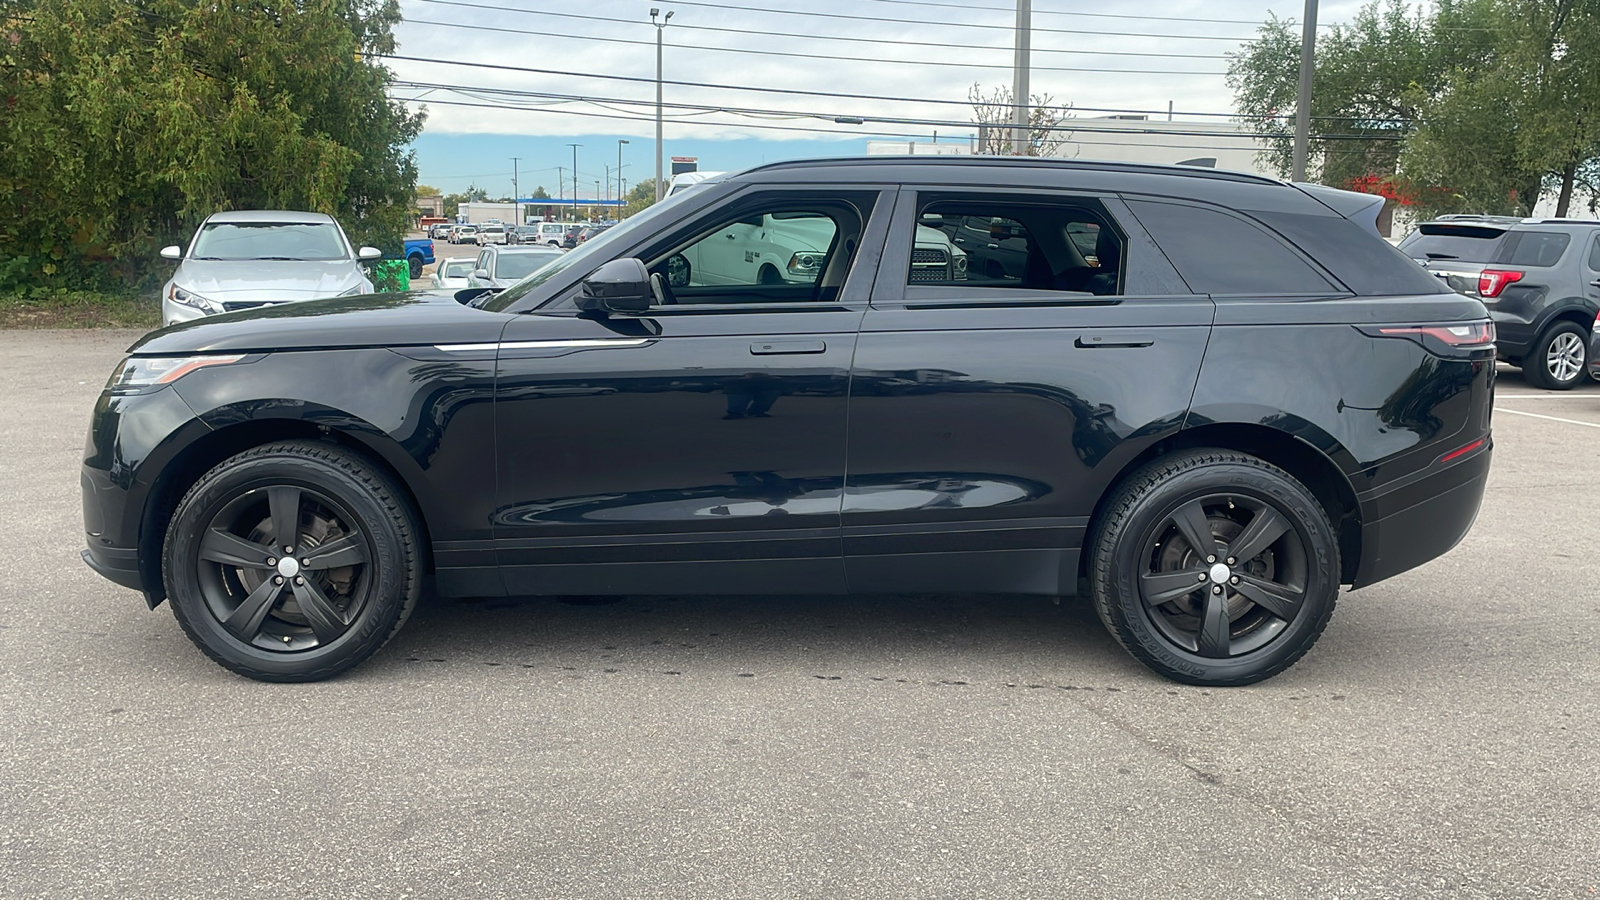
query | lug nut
[277, 579]
[1235, 579]
[288, 551]
[1211, 559]
[272, 561]
[299, 581]
[1217, 589]
[1231, 560]
[1202, 576]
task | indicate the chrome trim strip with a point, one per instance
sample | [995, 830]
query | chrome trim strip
[543, 345]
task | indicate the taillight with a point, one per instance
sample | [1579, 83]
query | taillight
[1471, 334]
[1492, 281]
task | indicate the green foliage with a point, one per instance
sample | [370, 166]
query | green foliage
[473, 194]
[641, 197]
[539, 193]
[129, 122]
[1467, 106]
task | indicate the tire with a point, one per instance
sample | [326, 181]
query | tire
[355, 531]
[768, 275]
[1559, 358]
[415, 265]
[1267, 609]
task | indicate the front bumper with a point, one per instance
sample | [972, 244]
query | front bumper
[1423, 517]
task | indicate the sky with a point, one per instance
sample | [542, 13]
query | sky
[771, 97]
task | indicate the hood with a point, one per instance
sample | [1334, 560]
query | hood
[266, 280]
[415, 318]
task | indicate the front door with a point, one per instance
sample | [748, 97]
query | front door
[694, 448]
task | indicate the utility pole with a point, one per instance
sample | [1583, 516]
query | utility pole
[620, 142]
[1021, 136]
[516, 194]
[660, 27]
[1302, 110]
[574, 179]
[561, 187]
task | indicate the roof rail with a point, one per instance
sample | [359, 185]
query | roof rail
[1019, 162]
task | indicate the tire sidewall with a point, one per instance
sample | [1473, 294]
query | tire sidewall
[1541, 359]
[1150, 512]
[374, 622]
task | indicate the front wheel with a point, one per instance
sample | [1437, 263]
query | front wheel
[1215, 568]
[1559, 358]
[292, 561]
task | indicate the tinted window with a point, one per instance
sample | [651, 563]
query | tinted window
[1218, 253]
[1533, 248]
[516, 265]
[1362, 260]
[997, 243]
[1594, 255]
[1471, 243]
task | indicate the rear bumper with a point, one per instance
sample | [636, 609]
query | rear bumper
[1422, 518]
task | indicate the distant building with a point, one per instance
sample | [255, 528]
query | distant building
[1218, 144]
[430, 206]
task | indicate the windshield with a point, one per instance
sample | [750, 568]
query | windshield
[517, 265]
[456, 268]
[595, 250]
[269, 240]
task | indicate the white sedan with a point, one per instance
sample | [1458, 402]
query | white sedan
[452, 274]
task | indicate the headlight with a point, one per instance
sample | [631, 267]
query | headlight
[188, 298]
[137, 373]
[805, 263]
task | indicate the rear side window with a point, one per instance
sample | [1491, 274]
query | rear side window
[1366, 263]
[1533, 248]
[988, 241]
[1469, 243]
[1218, 253]
[1594, 255]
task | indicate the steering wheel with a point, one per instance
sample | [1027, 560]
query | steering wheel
[662, 290]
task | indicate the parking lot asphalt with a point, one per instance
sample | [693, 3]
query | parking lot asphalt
[1442, 740]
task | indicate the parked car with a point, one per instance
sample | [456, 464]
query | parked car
[1539, 278]
[453, 273]
[1249, 400]
[491, 234]
[464, 234]
[523, 234]
[440, 232]
[419, 253]
[247, 259]
[570, 239]
[500, 267]
[552, 233]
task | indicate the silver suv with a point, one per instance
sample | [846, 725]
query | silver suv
[1540, 279]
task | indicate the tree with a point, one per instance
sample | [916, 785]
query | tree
[126, 123]
[539, 193]
[641, 197]
[1470, 106]
[993, 114]
[428, 190]
[473, 194]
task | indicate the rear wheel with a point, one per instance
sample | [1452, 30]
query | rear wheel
[292, 562]
[1215, 568]
[1559, 358]
[416, 266]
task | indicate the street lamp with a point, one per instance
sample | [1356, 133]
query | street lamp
[660, 27]
[574, 179]
[620, 142]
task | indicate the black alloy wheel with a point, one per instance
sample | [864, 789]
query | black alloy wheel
[1214, 567]
[292, 562]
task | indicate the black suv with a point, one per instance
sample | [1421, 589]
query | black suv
[1539, 278]
[1241, 400]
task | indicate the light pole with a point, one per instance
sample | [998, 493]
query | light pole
[574, 179]
[1302, 109]
[516, 195]
[620, 142]
[1021, 139]
[660, 27]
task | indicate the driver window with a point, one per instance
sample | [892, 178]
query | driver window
[791, 249]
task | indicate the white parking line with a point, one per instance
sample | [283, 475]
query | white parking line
[1540, 396]
[1518, 412]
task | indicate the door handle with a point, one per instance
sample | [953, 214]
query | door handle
[779, 348]
[1093, 341]
[1595, 283]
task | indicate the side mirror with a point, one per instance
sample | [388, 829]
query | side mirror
[172, 252]
[481, 274]
[366, 253]
[621, 285]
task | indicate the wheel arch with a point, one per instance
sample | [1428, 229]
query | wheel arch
[1309, 465]
[201, 455]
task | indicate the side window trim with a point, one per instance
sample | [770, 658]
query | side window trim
[1594, 253]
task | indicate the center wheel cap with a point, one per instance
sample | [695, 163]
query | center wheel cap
[289, 568]
[1219, 572]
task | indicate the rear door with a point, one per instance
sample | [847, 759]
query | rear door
[990, 407]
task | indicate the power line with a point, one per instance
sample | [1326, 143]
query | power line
[1070, 125]
[899, 62]
[1064, 12]
[819, 37]
[834, 95]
